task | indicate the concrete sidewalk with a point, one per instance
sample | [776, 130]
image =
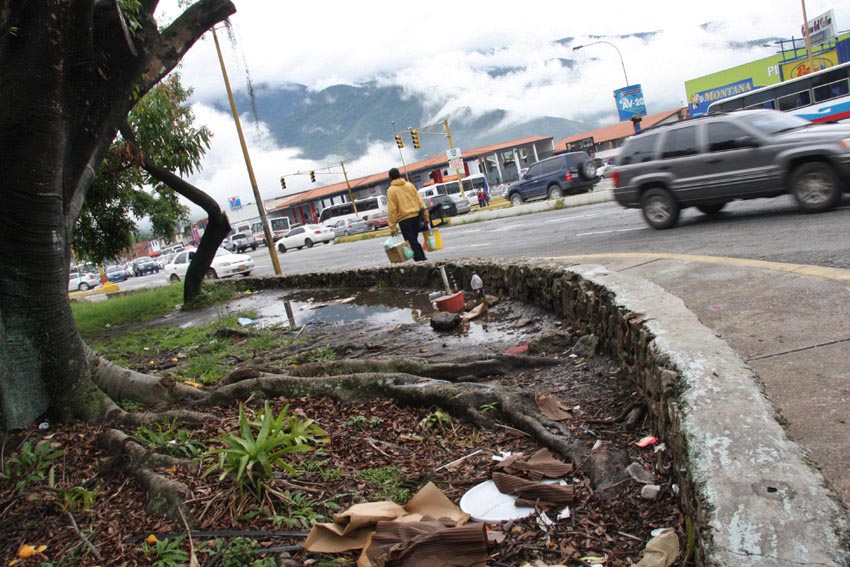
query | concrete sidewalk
[788, 322]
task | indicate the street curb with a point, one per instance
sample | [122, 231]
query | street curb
[755, 499]
[598, 196]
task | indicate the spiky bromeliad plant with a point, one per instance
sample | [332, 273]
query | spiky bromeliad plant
[253, 458]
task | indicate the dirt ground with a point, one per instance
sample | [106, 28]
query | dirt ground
[377, 450]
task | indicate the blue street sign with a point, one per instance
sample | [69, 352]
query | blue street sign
[630, 102]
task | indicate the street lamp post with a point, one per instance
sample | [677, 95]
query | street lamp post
[623, 65]
[635, 118]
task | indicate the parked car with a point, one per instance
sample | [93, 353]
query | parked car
[376, 221]
[711, 160]
[144, 265]
[346, 227]
[440, 206]
[224, 265]
[554, 177]
[305, 236]
[240, 242]
[116, 273]
[451, 190]
[82, 281]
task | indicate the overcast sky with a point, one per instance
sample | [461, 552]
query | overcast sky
[440, 53]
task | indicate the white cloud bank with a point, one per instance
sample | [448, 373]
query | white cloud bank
[442, 56]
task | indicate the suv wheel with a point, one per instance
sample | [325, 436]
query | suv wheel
[587, 170]
[555, 192]
[815, 187]
[660, 209]
[711, 209]
[516, 199]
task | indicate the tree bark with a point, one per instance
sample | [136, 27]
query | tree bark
[69, 77]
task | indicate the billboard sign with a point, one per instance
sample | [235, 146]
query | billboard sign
[821, 28]
[821, 61]
[699, 102]
[630, 102]
[235, 203]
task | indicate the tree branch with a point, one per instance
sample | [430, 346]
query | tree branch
[182, 34]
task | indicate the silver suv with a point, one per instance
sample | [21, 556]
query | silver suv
[708, 161]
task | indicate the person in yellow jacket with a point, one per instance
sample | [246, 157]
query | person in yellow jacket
[404, 204]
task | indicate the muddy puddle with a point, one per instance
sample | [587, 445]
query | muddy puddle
[506, 323]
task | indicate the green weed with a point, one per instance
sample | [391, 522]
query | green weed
[363, 422]
[167, 552]
[76, 499]
[170, 440]
[436, 419]
[263, 444]
[32, 465]
[322, 354]
[387, 482]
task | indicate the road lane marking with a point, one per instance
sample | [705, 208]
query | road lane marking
[609, 231]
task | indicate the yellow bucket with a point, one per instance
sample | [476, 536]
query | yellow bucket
[433, 241]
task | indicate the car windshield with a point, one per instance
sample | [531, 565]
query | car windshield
[222, 252]
[114, 269]
[774, 122]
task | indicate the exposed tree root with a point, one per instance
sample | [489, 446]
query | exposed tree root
[124, 384]
[166, 496]
[496, 365]
[134, 419]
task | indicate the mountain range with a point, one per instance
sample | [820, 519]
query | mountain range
[343, 120]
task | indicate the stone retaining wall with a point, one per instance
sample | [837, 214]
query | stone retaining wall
[753, 497]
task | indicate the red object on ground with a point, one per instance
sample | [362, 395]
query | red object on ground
[451, 303]
[521, 349]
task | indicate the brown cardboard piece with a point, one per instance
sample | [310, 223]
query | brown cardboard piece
[352, 528]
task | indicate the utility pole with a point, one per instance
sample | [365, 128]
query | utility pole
[260, 206]
[808, 39]
[348, 184]
[458, 172]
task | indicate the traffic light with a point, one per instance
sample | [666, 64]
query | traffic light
[313, 176]
[398, 141]
[415, 135]
[282, 182]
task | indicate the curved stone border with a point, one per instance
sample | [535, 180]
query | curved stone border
[754, 498]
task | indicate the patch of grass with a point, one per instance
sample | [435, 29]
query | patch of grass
[387, 482]
[559, 204]
[201, 351]
[167, 552]
[140, 306]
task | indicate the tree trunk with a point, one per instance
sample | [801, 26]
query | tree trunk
[218, 224]
[68, 79]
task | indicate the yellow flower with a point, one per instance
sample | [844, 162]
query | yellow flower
[151, 539]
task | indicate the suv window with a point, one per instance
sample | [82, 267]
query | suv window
[724, 136]
[535, 170]
[551, 166]
[639, 149]
[680, 142]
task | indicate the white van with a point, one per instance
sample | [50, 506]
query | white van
[452, 190]
[344, 211]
